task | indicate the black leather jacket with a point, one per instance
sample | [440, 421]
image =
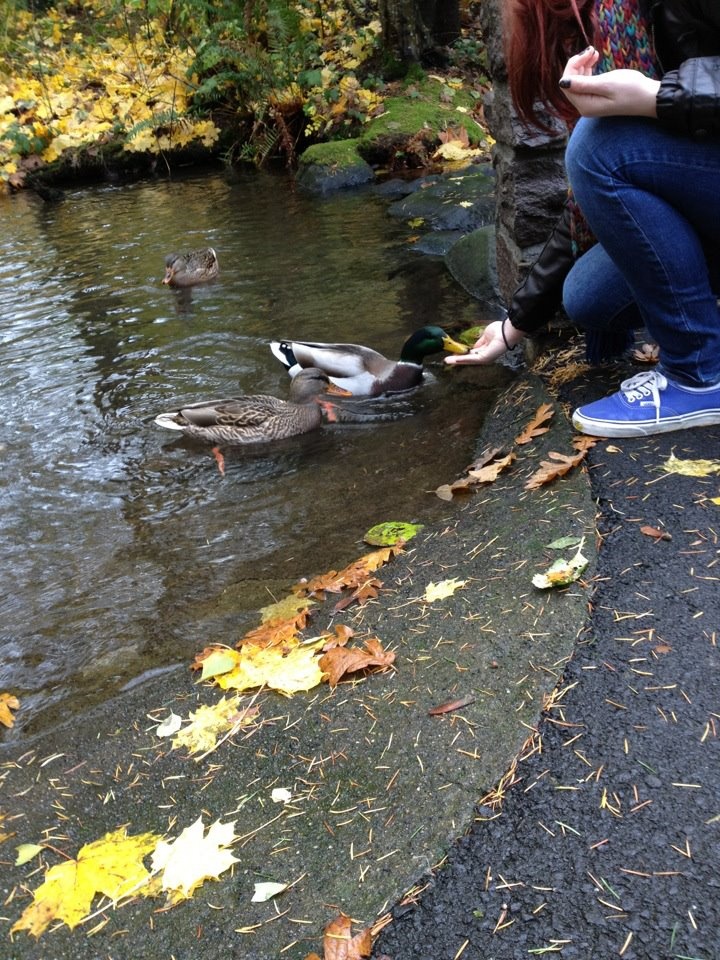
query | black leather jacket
[686, 35]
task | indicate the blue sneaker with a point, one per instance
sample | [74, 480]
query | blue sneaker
[648, 403]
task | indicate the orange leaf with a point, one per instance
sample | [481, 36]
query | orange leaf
[273, 633]
[560, 464]
[341, 660]
[338, 943]
[340, 638]
[536, 427]
[364, 592]
[483, 470]
[655, 533]
[452, 705]
[492, 471]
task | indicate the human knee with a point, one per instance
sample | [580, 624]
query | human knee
[584, 149]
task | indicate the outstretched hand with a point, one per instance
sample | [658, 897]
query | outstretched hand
[490, 346]
[626, 93]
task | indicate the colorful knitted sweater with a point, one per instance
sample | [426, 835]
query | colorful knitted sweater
[624, 42]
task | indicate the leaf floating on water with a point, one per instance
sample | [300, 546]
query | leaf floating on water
[691, 468]
[562, 572]
[290, 606]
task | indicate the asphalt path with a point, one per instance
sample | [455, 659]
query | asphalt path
[607, 842]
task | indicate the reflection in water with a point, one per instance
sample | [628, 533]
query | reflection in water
[125, 550]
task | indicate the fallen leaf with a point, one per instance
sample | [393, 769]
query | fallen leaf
[655, 533]
[557, 466]
[290, 668]
[341, 660]
[7, 703]
[451, 705]
[564, 542]
[211, 721]
[537, 425]
[391, 532]
[184, 864]
[562, 572]
[442, 589]
[490, 473]
[340, 638]
[281, 795]
[339, 944]
[290, 607]
[267, 890]
[112, 866]
[691, 468]
[169, 726]
[26, 852]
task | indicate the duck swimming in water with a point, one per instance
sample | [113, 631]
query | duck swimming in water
[256, 418]
[188, 269]
[363, 371]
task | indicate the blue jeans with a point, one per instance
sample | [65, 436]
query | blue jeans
[652, 200]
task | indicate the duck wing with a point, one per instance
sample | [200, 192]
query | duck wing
[340, 360]
[236, 412]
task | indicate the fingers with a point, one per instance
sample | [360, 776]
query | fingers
[582, 64]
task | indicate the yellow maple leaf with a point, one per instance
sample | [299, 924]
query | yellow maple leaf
[112, 866]
[445, 588]
[691, 468]
[209, 722]
[185, 863]
[7, 703]
[291, 668]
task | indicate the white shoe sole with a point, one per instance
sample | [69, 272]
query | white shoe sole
[647, 428]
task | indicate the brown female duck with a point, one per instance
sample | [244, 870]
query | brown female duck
[258, 418]
[188, 269]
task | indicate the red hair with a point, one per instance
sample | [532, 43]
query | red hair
[540, 36]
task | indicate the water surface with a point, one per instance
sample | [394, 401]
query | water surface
[124, 549]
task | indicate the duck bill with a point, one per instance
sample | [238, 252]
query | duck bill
[452, 346]
[168, 276]
[337, 391]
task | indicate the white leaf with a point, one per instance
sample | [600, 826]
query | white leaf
[169, 726]
[265, 891]
[281, 795]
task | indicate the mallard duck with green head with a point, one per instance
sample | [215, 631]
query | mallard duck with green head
[257, 418]
[362, 370]
[189, 269]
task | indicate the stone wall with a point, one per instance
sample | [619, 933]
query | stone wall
[529, 167]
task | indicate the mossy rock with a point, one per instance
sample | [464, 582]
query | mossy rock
[325, 167]
[423, 111]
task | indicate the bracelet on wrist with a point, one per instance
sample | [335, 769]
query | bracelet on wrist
[502, 331]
